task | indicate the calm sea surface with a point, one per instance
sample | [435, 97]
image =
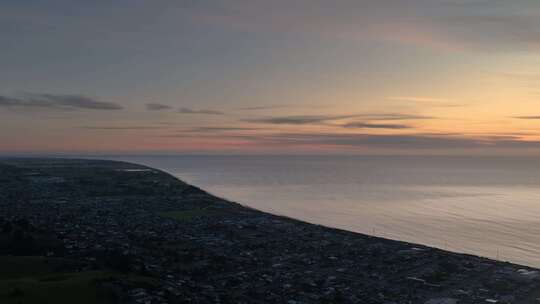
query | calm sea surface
[488, 206]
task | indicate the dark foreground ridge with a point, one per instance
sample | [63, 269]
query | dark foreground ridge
[86, 231]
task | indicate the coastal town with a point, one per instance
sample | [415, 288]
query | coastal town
[161, 240]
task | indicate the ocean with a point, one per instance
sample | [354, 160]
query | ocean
[487, 206]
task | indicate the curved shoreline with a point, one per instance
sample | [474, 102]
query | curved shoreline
[206, 248]
[333, 209]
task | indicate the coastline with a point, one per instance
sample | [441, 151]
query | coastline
[462, 204]
[205, 249]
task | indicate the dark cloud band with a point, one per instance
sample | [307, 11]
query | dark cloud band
[157, 107]
[193, 111]
[367, 125]
[318, 119]
[54, 101]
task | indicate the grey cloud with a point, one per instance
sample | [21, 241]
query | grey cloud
[121, 127]
[193, 111]
[367, 125]
[221, 129]
[393, 116]
[281, 106]
[298, 120]
[8, 101]
[55, 101]
[255, 108]
[527, 117]
[157, 106]
[318, 119]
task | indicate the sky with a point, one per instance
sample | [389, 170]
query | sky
[280, 76]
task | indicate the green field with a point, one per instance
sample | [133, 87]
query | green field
[35, 280]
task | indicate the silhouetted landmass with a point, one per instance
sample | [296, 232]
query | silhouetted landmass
[87, 231]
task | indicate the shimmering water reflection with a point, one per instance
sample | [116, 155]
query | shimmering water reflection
[487, 206]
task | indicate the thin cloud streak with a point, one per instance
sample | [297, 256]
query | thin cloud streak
[392, 141]
[157, 107]
[57, 101]
[392, 116]
[193, 111]
[257, 108]
[121, 127]
[532, 117]
[367, 125]
[298, 120]
[221, 129]
[433, 102]
[320, 119]
[416, 99]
